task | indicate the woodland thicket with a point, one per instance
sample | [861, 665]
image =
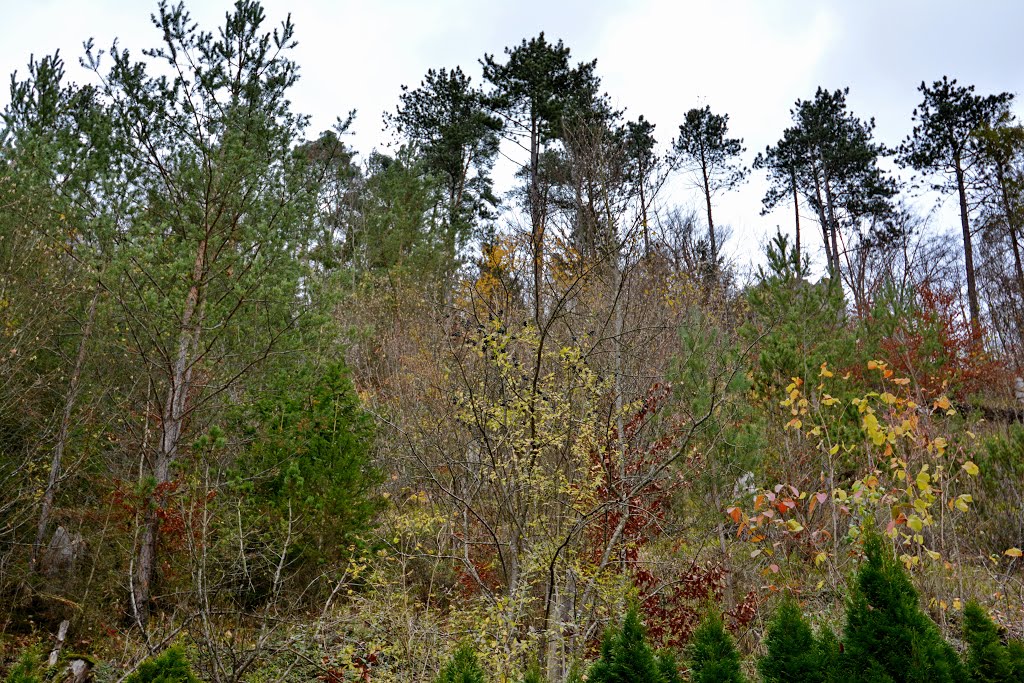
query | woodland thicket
[272, 410]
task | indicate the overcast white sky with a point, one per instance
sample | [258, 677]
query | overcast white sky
[749, 58]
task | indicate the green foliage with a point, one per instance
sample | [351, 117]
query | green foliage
[627, 658]
[713, 657]
[533, 676]
[793, 653]
[668, 667]
[888, 637]
[829, 156]
[29, 668]
[1015, 652]
[830, 651]
[538, 86]
[396, 233]
[463, 667]
[170, 666]
[445, 117]
[798, 324]
[945, 121]
[1001, 503]
[988, 660]
[310, 460]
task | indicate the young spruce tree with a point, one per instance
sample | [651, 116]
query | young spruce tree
[627, 658]
[713, 655]
[988, 660]
[463, 667]
[888, 637]
[793, 653]
[170, 666]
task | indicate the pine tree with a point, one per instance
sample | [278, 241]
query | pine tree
[793, 653]
[704, 149]
[888, 638]
[713, 655]
[988, 660]
[831, 158]
[170, 666]
[627, 658]
[942, 144]
[463, 667]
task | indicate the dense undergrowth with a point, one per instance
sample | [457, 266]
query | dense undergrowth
[270, 412]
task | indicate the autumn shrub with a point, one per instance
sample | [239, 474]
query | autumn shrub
[888, 637]
[170, 666]
[999, 494]
[712, 655]
[626, 657]
[895, 466]
[928, 338]
[792, 651]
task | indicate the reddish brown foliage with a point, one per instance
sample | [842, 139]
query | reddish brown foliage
[939, 349]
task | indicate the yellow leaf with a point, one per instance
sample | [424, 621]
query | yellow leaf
[962, 501]
[971, 468]
[942, 403]
[794, 526]
[915, 523]
[1013, 552]
[819, 559]
[873, 429]
[825, 371]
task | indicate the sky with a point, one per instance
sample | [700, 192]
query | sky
[751, 59]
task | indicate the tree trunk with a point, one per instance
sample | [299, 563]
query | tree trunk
[711, 223]
[536, 219]
[972, 286]
[796, 213]
[46, 506]
[833, 228]
[172, 418]
[643, 215]
[824, 222]
[1011, 226]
